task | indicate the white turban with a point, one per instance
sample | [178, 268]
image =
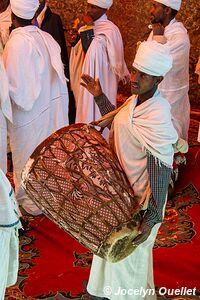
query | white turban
[153, 58]
[24, 9]
[175, 4]
[101, 3]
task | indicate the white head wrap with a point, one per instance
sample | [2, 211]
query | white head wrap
[24, 9]
[175, 4]
[101, 3]
[153, 58]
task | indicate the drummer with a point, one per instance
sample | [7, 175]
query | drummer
[142, 136]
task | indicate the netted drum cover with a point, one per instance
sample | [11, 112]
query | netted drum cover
[78, 183]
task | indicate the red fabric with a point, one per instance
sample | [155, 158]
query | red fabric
[54, 270]
[179, 266]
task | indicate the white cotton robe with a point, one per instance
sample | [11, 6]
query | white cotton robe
[38, 91]
[136, 129]
[175, 85]
[5, 114]
[3, 142]
[9, 244]
[104, 60]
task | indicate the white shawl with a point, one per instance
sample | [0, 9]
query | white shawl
[114, 45]
[138, 129]
[150, 123]
[24, 36]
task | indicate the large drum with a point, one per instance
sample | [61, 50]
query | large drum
[78, 183]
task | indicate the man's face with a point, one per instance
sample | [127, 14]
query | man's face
[3, 5]
[142, 83]
[95, 12]
[158, 12]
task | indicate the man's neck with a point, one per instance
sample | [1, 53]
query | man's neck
[103, 17]
[167, 21]
[144, 97]
[18, 25]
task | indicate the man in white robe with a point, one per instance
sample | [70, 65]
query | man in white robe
[5, 114]
[9, 244]
[175, 86]
[5, 22]
[37, 88]
[142, 136]
[104, 59]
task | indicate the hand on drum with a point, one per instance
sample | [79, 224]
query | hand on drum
[93, 86]
[144, 234]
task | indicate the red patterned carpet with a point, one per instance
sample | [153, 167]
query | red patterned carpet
[176, 255]
[53, 266]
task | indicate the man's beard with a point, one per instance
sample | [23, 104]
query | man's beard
[156, 20]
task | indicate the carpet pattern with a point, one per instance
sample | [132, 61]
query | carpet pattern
[178, 228]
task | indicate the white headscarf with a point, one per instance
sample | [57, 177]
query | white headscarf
[153, 58]
[175, 4]
[24, 9]
[101, 3]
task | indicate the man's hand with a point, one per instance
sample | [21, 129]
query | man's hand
[93, 86]
[158, 29]
[145, 231]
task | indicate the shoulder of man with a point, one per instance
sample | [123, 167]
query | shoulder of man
[17, 39]
[161, 104]
[176, 28]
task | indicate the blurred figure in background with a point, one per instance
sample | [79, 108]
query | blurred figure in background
[52, 23]
[175, 86]
[37, 88]
[101, 56]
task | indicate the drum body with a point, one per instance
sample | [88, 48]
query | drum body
[77, 181]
